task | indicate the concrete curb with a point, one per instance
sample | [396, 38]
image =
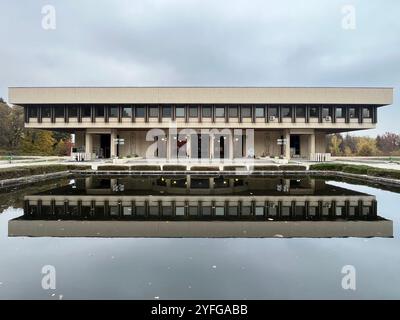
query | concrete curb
[31, 179]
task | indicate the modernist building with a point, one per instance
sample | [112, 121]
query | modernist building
[200, 122]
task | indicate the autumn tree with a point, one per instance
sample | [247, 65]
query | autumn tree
[388, 143]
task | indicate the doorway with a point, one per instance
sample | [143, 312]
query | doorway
[105, 146]
[295, 145]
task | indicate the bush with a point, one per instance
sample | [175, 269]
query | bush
[356, 169]
[266, 168]
[235, 168]
[327, 166]
[384, 173]
[146, 168]
[292, 167]
[18, 172]
[200, 168]
[171, 167]
[112, 168]
[78, 167]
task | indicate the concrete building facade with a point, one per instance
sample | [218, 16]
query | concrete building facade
[200, 122]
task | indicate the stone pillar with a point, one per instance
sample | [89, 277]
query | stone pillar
[88, 146]
[231, 144]
[113, 147]
[287, 145]
[311, 143]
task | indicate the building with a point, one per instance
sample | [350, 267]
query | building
[200, 122]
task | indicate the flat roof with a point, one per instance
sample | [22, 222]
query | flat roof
[203, 95]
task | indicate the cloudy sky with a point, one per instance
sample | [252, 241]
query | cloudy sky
[203, 42]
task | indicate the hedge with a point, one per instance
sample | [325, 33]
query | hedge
[292, 168]
[265, 168]
[146, 168]
[199, 168]
[18, 172]
[358, 169]
[171, 167]
[234, 168]
[112, 168]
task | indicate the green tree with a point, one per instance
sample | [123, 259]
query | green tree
[334, 146]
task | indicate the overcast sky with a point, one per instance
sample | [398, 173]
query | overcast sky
[203, 43]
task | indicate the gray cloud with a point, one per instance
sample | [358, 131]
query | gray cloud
[159, 42]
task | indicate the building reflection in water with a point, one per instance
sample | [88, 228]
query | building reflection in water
[190, 206]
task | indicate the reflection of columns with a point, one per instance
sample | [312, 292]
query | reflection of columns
[113, 146]
[88, 182]
[312, 145]
[212, 145]
[169, 138]
[88, 146]
[287, 145]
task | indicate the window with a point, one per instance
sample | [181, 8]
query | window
[206, 112]
[139, 112]
[273, 111]
[86, 111]
[99, 111]
[339, 112]
[246, 112]
[32, 112]
[59, 112]
[166, 112]
[46, 112]
[127, 112]
[286, 112]
[73, 112]
[260, 112]
[300, 112]
[179, 211]
[313, 112]
[233, 112]
[353, 112]
[113, 112]
[180, 112]
[153, 112]
[193, 112]
[366, 113]
[219, 112]
[326, 112]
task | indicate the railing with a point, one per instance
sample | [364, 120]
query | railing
[320, 157]
[83, 156]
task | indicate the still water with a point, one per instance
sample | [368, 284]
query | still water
[199, 238]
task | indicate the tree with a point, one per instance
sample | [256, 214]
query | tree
[15, 128]
[366, 146]
[40, 142]
[335, 143]
[388, 143]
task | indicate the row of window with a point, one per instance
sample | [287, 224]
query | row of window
[206, 112]
[155, 210]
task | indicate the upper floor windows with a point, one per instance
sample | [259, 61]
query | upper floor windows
[286, 112]
[353, 112]
[99, 111]
[180, 112]
[273, 111]
[233, 112]
[113, 112]
[246, 112]
[314, 112]
[46, 112]
[193, 112]
[260, 112]
[366, 113]
[206, 111]
[86, 111]
[300, 112]
[153, 112]
[127, 112]
[59, 112]
[139, 112]
[326, 112]
[73, 112]
[340, 112]
[32, 112]
[166, 112]
[219, 112]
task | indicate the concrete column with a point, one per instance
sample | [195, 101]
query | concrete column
[287, 145]
[312, 145]
[88, 146]
[230, 144]
[113, 147]
[211, 146]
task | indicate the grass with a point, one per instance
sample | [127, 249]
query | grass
[357, 169]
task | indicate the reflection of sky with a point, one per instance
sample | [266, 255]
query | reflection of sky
[183, 268]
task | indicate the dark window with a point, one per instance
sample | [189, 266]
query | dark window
[193, 112]
[86, 111]
[300, 112]
[286, 112]
[260, 112]
[206, 112]
[153, 112]
[113, 112]
[246, 112]
[339, 112]
[32, 112]
[219, 112]
[233, 112]
[127, 112]
[139, 112]
[73, 112]
[313, 112]
[46, 112]
[273, 111]
[59, 112]
[326, 112]
[180, 112]
[166, 112]
[99, 111]
[353, 112]
[366, 112]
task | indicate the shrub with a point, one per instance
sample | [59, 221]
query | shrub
[292, 167]
[112, 168]
[146, 168]
[327, 166]
[384, 173]
[78, 167]
[235, 168]
[266, 168]
[171, 167]
[356, 169]
[200, 168]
